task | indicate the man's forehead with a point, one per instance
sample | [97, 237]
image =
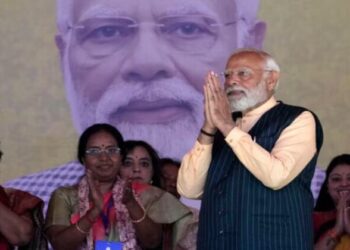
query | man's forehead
[245, 59]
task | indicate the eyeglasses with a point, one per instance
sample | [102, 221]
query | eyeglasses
[96, 152]
[243, 73]
[190, 34]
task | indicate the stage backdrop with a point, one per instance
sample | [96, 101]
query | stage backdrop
[309, 39]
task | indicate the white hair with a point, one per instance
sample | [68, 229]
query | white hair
[271, 65]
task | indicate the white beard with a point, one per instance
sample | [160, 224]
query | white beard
[253, 97]
[172, 139]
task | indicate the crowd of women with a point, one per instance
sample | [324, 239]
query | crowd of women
[122, 203]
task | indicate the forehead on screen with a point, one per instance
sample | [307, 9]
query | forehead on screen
[142, 10]
[225, 9]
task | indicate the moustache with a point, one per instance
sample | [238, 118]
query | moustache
[229, 90]
[121, 97]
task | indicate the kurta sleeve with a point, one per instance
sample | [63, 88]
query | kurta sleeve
[193, 171]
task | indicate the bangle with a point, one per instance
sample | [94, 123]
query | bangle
[79, 229]
[333, 235]
[206, 133]
[143, 216]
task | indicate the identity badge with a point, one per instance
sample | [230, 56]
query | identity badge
[108, 245]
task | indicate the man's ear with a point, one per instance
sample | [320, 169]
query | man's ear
[256, 35]
[272, 80]
[61, 45]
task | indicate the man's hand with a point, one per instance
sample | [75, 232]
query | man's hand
[208, 121]
[217, 107]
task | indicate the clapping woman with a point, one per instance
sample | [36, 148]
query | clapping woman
[21, 220]
[141, 165]
[332, 211]
[102, 209]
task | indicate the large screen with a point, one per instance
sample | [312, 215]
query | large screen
[140, 65]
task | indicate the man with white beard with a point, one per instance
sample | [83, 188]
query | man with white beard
[252, 173]
[139, 65]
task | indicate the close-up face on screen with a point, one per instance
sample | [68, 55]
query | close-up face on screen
[141, 65]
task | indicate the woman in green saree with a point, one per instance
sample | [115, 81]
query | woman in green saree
[102, 209]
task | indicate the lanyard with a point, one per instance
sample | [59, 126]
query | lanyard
[104, 216]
